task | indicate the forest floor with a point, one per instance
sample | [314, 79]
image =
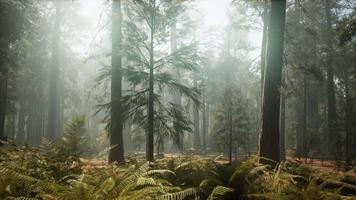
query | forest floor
[324, 165]
[50, 174]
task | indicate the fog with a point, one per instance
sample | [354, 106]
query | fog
[115, 83]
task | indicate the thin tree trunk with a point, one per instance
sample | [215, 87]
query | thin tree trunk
[269, 138]
[150, 144]
[283, 120]
[116, 153]
[207, 138]
[11, 125]
[304, 146]
[62, 87]
[204, 124]
[20, 136]
[196, 120]
[348, 112]
[3, 100]
[54, 97]
[230, 133]
[299, 127]
[30, 123]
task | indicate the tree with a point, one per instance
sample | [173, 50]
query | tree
[348, 28]
[75, 138]
[147, 70]
[196, 120]
[54, 79]
[231, 128]
[269, 138]
[332, 115]
[116, 125]
[264, 40]
[12, 21]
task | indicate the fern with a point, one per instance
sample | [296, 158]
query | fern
[221, 192]
[41, 185]
[140, 172]
[191, 192]
[145, 182]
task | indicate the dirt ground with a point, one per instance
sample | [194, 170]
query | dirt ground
[325, 165]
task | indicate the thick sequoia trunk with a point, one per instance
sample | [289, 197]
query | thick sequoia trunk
[269, 138]
[116, 153]
[330, 83]
[3, 100]
[54, 75]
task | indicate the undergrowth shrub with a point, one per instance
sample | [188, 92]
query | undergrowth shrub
[45, 173]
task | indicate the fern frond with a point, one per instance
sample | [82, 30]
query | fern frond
[41, 185]
[220, 192]
[191, 192]
[21, 198]
[144, 182]
[158, 172]
[140, 172]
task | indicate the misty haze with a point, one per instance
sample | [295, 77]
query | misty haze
[177, 99]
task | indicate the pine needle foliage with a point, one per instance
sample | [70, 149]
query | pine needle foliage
[75, 138]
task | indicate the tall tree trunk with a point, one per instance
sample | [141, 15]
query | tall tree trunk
[37, 115]
[3, 100]
[177, 97]
[35, 123]
[299, 127]
[196, 119]
[301, 112]
[29, 123]
[20, 136]
[54, 97]
[313, 100]
[264, 41]
[204, 124]
[269, 138]
[150, 133]
[11, 124]
[207, 136]
[230, 133]
[330, 82]
[283, 119]
[116, 153]
[304, 141]
[62, 88]
[348, 118]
